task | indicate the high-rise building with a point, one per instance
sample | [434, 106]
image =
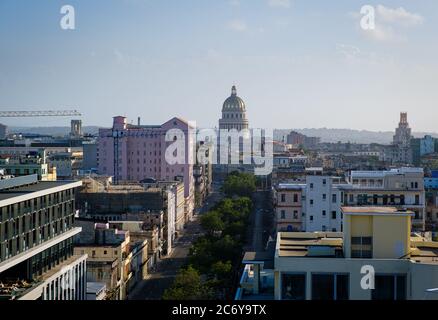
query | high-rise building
[400, 152]
[135, 153]
[36, 241]
[402, 135]
[3, 131]
[76, 129]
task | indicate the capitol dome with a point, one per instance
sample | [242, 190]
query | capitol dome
[233, 113]
[233, 102]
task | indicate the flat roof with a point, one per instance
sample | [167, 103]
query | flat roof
[297, 244]
[27, 192]
[375, 210]
[290, 186]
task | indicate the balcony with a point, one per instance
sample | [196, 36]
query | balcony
[14, 289]
[257, 280]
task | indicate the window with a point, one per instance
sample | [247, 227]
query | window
[311, 218]
[283, 197]
[311, 202]
[324, 181]
[334, 198]
[330, 286]
[334, 215]
[417, 199]
[293, 287]
[323, 213]
[283, 214]
[361, 247]
[105, 252]
[295, 198]
[295, 214]
[311, 186]
[389, 287]
[324, 196]
[402, 199]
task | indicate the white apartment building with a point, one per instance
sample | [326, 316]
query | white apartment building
[322, 205]
[323, 196]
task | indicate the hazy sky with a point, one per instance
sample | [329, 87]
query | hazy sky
[297, 63]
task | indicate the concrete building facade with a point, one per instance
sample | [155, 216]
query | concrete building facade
[330, 265]
[36, 241]
[135, 152]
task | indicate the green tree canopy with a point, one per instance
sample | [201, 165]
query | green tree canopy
[212, 222]
[187, 286]
[240, 184]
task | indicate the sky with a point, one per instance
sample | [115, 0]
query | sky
[296, 63]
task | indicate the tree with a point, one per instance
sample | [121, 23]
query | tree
[239, 184]
[211, 222]
[188, 286]
[221, 269]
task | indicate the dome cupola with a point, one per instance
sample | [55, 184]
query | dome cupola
[233, 102]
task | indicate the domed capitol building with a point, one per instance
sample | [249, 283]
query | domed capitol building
[233, 113]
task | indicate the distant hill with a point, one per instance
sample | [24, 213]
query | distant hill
[53, 131]
[326, 135]
[348, 135]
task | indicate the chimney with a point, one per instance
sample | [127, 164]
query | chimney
[139, 120]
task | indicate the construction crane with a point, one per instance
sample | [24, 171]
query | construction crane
[48, 113]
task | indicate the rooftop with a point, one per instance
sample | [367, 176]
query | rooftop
[384, 173]
[291, 186]
[27, 190]
[375, 210]
[303, 244]
[330, 245]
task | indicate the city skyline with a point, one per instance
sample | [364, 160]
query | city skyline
[148, 59]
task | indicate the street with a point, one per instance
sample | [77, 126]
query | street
[258, 227]
[162, 278]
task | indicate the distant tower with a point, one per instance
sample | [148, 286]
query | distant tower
[76, 128]
[3, 131]
[402, 135]
[233, 113]
[401, 150]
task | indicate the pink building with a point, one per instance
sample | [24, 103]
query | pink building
[137, 152]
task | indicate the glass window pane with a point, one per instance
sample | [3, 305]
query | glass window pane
[323, 287]
[384, 288]
[401, 287]
[342, 287]
[293, 287]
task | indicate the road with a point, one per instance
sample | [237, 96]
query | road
[258, 229]
[158, 281]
